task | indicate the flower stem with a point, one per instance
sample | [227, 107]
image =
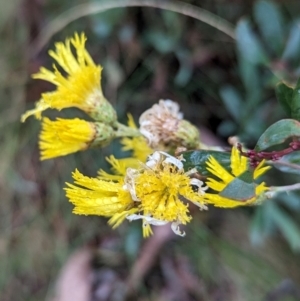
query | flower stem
[126, 131]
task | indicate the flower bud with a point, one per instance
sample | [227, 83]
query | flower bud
[65, 136]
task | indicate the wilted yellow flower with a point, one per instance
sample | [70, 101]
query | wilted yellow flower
[160, 188]
[65, 136]
[80, 87]
[156, 192]
[164, 127]
[238, 187]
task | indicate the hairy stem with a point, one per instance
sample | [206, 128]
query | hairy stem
[126, 131]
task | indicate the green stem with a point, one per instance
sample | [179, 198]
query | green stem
[126, 131]
[87, 9]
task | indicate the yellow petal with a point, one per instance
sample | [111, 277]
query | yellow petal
[259, 170]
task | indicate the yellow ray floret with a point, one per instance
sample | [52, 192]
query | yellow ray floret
[92, 196]
[118, 167]
[78, 86]
[239, 165]
[65, 136]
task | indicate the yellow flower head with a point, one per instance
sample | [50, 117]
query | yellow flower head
[66, 136]
[238, 187]
[156, 193]
[162, 190]
[79, 86]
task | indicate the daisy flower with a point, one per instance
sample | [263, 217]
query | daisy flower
[77, 79]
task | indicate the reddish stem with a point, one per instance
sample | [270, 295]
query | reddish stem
[256, 157]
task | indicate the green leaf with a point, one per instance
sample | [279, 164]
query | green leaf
[278, 133]
[286, 225]
[232, 101]
[292, 48]
[241, 188]
[295, 106]
[248, 44]
[284, 95]
[269, 20]
[198, 158]
[250, 75]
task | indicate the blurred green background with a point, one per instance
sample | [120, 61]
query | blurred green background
[224, 85]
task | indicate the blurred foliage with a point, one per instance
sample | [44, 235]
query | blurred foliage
[224, 85]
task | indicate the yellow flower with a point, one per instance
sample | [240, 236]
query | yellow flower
[138, 145]
[161, 187]
[80, 87]
[156, 193]
[66, 136]
[238, 187]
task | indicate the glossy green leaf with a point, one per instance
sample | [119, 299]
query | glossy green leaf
[248, 44]
[278, 133]
[269, 19]
[198, 158]
[295, 106]
[292, 48]
[284, 95]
